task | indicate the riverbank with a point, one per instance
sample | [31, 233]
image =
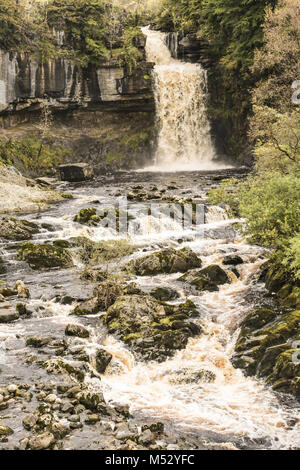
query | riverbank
[18, 194]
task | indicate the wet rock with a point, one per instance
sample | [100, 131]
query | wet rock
[232, 260]
[215, 274]
[23, 311]
[152, 329]
[166, 261]
[77, 330]
[267, 346]
[29, 421]
[5, 430]
[87, 216]
[103, 358]
[164, 294]
[38, 341]
[88, 307]
[186, 376]
[92, 419]
[58, 366]
[105, 295]
[146, 437]
[22, 290]
[8, 292]
[42, 441]
[90, 400]
[107, 292]
[45, 256]
[8, 316]
[16, 229]
[207, 279]
[76, 172]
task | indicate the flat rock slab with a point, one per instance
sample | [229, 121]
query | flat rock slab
[75, 172]
[7, 316]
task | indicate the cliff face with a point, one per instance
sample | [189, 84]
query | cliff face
[63, 85]
[104, 115]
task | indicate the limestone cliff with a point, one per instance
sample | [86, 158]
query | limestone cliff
[105, 114]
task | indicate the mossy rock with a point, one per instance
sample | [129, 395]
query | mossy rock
[215, 274]
[292, 300]
[285, 376]
[207, 279]
[105, 295]
[265, 348]
[164, 294]
[152, 329]
[166, 261]
[257, 319]
[8, 292]
[17, 229]
[45, 256]
[88, 216]
[276, 279]
[103, 359]
[201, 283]
[5, 430]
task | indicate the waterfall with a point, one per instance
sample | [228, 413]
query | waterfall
[180, 89]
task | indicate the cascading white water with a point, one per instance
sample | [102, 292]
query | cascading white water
[180, 89]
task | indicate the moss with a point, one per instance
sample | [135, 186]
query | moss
[132, 336]
[67, 195]
[87, 216]
[257, 319]
[265, 347]
[45, 256]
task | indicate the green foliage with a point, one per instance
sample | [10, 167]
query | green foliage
[129, 53]
[291, 256]
[35, 154]
[277, 137]
[271, 205]
[12, 33]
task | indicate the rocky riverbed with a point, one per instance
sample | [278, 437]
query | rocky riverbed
[132, 340]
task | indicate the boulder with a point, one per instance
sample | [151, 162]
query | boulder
[232, 260]
[105, 295]
[215, 274]
[153, 330]
[77, 330]
[75, 172]
[5, 430]
[47, 182]
[87, 216]
[17, 229]
[45, 256]
[103, 358]
[267, 347]
[166, 261]
[8, 316]
[164, 294]
[42, 441]
[207, 279]
[22, 290]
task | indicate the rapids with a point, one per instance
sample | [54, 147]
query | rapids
[233, 410]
